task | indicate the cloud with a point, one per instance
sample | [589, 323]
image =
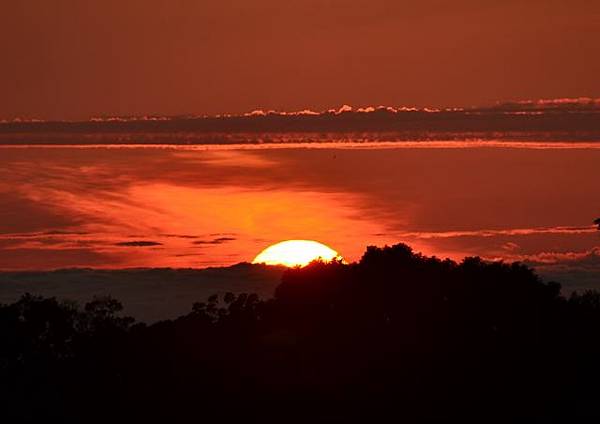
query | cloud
[182, 236]
[535, 120]
[575, 270]
[138, 243]
[218, 240]
[559, 104]
[510, 246]
[589, 257]
[503, 232]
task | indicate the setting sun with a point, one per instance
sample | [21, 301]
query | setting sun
[295, 253]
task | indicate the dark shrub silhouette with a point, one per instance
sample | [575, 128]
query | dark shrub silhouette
[395, 337]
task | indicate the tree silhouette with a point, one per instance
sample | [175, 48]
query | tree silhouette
[397, 335]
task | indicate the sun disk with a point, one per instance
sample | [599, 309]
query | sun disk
[295, 253]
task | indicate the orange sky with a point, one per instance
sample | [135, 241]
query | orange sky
[73, 59]
[198, 206]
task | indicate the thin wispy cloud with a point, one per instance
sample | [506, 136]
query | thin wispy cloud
[138, 243]
[499, 232]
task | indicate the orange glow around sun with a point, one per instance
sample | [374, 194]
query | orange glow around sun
[295, 253]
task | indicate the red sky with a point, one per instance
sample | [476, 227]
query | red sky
[73, 59]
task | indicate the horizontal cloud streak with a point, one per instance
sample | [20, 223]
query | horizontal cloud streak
[576, 270]
[219, 240]
[551, 119]
[503, 232]
[138, 243]
[544, 258]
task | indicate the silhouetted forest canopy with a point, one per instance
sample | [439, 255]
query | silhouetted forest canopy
[396, 336]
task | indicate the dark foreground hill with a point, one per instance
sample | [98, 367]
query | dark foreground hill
[396, 337]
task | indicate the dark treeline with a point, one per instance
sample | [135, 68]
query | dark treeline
[396, 337]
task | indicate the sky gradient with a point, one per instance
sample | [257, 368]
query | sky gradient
[73, 59]
[199, 206]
